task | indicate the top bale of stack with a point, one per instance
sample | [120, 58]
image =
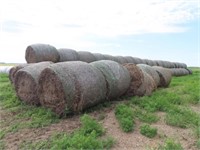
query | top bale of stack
[41, 52]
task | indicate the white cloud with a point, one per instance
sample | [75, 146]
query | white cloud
[67, 22]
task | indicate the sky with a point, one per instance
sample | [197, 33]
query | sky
[148, 29]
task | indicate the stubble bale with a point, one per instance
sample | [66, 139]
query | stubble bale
[117, 77]
[26, 82]
[14, 70]
[86, 56]
[137, 78]
[165, 76]
[71, 87]
[121, 59]
[152, 72]
[67, 55]
[41, 52]
[98, 56]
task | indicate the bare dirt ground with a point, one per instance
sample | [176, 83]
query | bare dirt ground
[133, 140]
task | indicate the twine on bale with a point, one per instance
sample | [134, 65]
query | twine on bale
[41, 52]
[117, 77]
[67, 55]
[165, 76]
[86, 56]
[26, 82]
[71, 87]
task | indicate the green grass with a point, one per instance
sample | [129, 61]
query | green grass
[86, 137]
[148, 131]
[170, 145]
[124, 115]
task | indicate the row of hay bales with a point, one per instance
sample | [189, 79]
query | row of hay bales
[74, 86]
[44, 52]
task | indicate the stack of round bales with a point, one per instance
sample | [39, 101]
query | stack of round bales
[141, 83]
[41, 52]
[86, 56]
[26, 82]
[152, 72]
[164, 74]
[66, 54]
[75, 86]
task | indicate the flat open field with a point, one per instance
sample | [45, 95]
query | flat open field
[168, 119]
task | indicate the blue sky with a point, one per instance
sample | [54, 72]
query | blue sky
[150, 29]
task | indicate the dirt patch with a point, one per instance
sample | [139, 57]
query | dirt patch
[106, 116]
[195, 108]
[13, 140]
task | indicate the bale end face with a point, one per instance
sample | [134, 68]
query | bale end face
[26, 88]
[51, 92]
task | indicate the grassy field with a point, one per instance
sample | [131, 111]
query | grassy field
[169, 119]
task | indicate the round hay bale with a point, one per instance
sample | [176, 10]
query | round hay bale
[129, 59]
[98, 56]
[173, 71]
[86, 56]
[14, 70]
[171, 65]
[137, 78]
[154, 63]
[148, 85]
[117, 77]
[142, 61]
[148, 69]
[147, 62]
[109, 57]
[67, 55]
[41, 52]
[183, 65]
[165, 76]
[160, 63]
[179, 71]
[71, 87]
[137, 60]
[121, 59]
[26, 82]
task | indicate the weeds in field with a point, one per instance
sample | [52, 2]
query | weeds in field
[148, 131]
[124, 115]
[170, 145]
[87, 137]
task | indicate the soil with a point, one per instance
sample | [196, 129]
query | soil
[106, 116]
